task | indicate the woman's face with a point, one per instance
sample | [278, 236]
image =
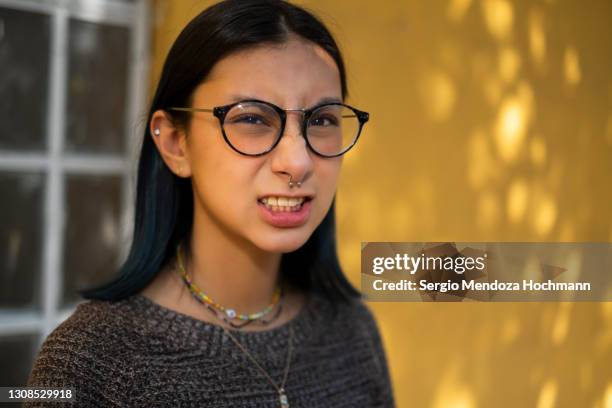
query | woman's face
[231, 190]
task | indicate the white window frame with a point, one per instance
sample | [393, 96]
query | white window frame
[56, 164]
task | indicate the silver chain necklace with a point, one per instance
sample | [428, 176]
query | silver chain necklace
[282, 395]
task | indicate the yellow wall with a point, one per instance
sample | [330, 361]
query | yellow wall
[491, 121]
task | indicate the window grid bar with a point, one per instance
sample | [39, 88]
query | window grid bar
[54, 200]
[13, 323]
[94, 165]
[23, 161]
[97, 11]
[75, 163]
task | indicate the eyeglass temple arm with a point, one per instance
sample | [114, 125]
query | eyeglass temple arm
[192, 109]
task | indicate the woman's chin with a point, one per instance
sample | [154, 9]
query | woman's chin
[282, 244]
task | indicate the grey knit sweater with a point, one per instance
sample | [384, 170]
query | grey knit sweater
[137, 353]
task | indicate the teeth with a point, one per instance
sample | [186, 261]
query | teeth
[283, 203]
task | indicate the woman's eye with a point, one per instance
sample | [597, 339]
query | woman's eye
[250, 120]
[324, 121]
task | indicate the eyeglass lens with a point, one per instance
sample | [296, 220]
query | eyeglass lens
[253, 128]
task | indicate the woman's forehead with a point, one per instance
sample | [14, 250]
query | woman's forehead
[294, 71]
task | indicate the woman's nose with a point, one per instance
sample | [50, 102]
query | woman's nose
[292, 155]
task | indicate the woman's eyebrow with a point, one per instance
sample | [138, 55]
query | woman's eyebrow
[328, 99]
[242, 97]
[238, 97]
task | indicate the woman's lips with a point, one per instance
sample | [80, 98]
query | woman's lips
[285, 219]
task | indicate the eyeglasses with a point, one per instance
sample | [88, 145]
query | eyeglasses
[253, 127]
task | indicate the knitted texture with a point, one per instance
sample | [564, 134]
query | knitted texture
[137, 353]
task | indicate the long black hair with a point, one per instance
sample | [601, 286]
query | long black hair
[164, 202]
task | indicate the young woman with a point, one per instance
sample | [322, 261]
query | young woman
[232, 294]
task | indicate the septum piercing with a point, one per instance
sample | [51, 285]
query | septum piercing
[291, 183]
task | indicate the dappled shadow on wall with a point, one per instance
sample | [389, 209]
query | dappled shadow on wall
[493, 120]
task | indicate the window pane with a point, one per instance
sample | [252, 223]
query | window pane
[24, 67]
[97, 83]
[20, 238]
[16, 358]
[92, 232]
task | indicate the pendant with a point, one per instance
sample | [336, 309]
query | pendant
[282, 397]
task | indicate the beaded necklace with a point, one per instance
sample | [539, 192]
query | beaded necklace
[207, 301]
[227, 314]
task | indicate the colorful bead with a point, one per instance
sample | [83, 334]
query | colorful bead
[231, 313]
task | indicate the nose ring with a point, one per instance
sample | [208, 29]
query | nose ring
[292, 183]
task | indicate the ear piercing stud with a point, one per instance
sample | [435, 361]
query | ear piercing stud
[156, 132]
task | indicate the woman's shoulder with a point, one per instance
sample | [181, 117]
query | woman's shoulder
[353, 309]
[352, 327]
[98, 323]
[349, 319]
[87, 352]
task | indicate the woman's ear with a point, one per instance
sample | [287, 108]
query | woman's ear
[171, 143]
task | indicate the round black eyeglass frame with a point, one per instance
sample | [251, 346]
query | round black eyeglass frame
[221, 112]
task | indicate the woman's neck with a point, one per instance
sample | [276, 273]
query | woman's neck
[231, 272]
[246, 293]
